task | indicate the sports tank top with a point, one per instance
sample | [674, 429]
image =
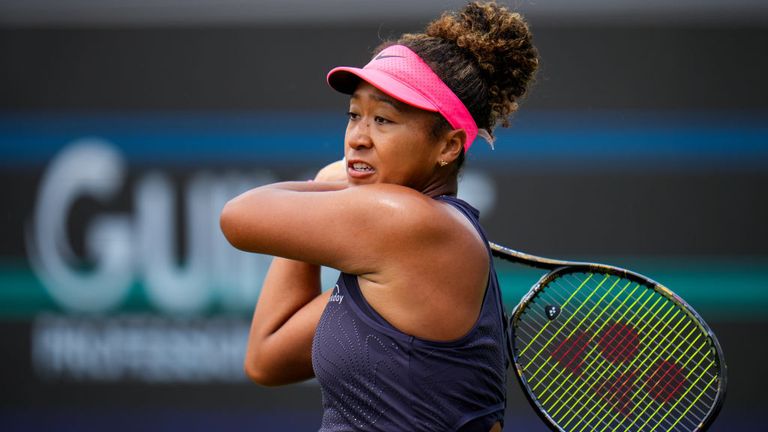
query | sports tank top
[373, 377]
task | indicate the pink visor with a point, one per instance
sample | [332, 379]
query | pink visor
[402, 74]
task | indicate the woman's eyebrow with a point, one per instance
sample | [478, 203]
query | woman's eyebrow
[388, 100]
[396, 104]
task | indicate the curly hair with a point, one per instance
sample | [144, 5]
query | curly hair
[484, 53]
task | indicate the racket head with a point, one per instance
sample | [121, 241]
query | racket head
[600, 348]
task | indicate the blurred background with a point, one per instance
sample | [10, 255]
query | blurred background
[125, 127]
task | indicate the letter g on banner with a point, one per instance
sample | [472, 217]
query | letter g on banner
[87, 167]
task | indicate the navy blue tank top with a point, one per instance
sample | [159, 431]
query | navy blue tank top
[374, 377]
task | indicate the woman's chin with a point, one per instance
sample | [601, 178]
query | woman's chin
[360, 182]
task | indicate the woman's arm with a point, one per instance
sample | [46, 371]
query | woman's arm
[309, 224]
[288, 310]
[328, 223]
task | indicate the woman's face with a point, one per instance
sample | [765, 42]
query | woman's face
[388, 141]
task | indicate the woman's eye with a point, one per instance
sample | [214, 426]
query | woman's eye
[352, 115]
[381, 120]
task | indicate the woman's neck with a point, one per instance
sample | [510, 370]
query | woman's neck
[449, 186]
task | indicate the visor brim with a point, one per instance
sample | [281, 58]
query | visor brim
[346, 79]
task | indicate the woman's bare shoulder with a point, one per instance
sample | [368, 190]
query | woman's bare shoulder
[402, 209]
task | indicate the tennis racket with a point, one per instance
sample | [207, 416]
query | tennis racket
[600, 348]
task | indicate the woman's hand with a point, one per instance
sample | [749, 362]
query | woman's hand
[334, 172]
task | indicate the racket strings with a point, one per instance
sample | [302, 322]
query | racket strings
[668, 377]
[544, 327]
[622, 407]
[644, 398]
[563, 370]
[639, 338]
[579, 402]
[576, 327]
[619, 399]
[603, 416]
[587, 367]
[634, 368]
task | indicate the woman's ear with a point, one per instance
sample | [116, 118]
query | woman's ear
[453, 145]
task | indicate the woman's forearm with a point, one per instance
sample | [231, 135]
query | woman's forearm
[308, 186]
[289, 286]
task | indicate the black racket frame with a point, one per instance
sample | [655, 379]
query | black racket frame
[558, 268]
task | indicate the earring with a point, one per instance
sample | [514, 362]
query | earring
[442, 163]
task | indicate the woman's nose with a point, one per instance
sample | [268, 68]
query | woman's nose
[360, 136]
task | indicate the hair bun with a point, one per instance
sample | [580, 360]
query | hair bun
[500, 43]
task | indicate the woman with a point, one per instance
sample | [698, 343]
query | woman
[412, 335]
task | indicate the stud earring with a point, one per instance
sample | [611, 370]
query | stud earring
[442, 163]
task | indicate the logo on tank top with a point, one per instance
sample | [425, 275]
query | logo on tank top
[335, 296]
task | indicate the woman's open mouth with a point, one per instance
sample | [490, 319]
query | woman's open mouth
[359, 169]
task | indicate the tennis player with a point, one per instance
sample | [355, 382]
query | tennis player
[412, 336]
